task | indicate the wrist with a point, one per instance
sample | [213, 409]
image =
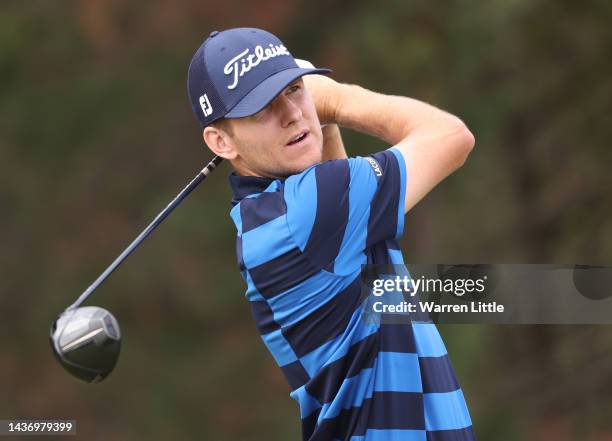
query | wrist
[343, 102]
[336, 102]
[329, 101]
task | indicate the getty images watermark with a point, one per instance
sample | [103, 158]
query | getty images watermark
[484, 293]
[408, 286]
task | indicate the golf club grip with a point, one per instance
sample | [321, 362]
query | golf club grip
[148, 230]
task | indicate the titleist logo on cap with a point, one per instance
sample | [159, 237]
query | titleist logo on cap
[245, 61]
[238, 72]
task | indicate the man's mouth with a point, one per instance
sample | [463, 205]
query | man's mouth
[298, 138]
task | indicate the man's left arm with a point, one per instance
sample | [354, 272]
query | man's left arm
[333, 146]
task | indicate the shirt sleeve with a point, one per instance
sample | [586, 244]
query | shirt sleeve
[337, 209]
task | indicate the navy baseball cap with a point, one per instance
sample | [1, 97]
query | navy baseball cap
[237, 72]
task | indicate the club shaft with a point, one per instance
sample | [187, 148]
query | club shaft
[142, 236]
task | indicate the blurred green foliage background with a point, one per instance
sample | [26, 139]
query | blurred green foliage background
[97, 136]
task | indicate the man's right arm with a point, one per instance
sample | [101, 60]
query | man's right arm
[433, 143]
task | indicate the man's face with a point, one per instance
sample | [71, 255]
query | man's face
[282, 139]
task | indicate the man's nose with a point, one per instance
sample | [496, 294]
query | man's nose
[290, 112]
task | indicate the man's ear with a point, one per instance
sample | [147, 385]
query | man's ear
[219, 142]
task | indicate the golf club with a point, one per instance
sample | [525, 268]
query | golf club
[87, 340]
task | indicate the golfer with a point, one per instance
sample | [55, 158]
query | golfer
[308, 218]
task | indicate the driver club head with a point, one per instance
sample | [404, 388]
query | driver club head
[87, 342]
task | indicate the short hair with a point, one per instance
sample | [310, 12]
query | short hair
[224, 124]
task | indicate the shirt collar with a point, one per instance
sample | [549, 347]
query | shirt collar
[242, 186]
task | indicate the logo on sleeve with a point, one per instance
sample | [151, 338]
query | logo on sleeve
[375, 167]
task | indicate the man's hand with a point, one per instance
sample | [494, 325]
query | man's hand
[433, 143]
[325, 94]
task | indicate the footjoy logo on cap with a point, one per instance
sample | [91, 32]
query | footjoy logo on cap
[205, 105]
[237, 72]
[252, 60]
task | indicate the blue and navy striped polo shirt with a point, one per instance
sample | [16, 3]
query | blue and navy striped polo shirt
[300, 246]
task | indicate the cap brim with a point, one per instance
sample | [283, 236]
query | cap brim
[267, 90]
